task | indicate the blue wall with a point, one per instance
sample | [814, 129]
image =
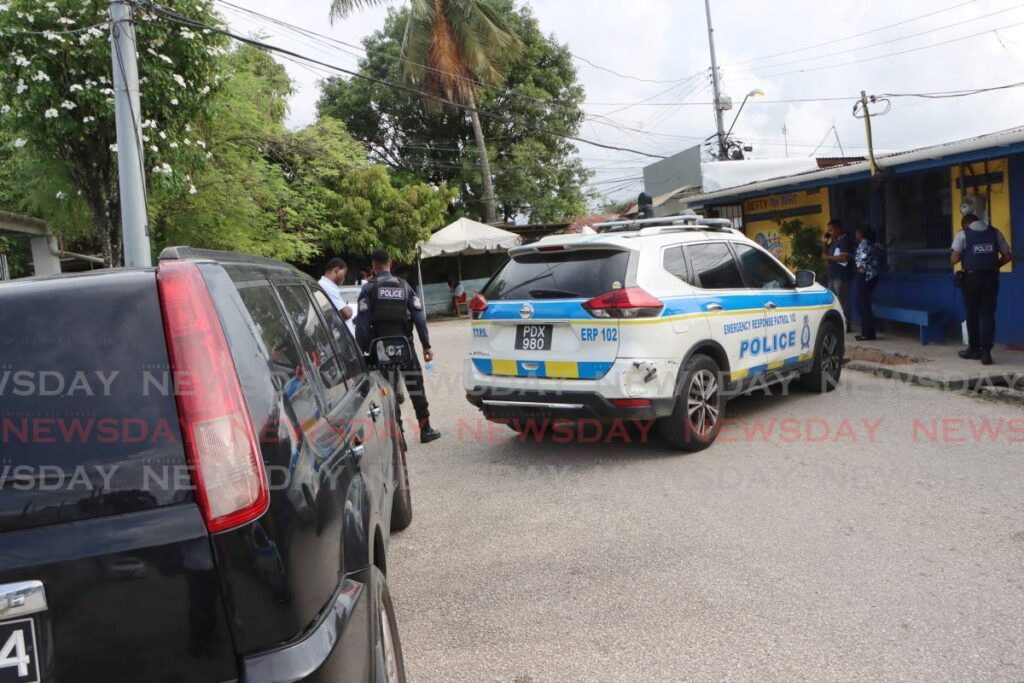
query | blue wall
[936, 291]
[1010, 314]
[933, 291]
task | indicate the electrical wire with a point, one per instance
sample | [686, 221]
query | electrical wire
[603, 119]
[956, 93]
[173, 16]
[896, 40]
[876, 58]
[833, 41]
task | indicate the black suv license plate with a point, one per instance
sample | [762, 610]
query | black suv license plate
[19, 658]
[533, 337]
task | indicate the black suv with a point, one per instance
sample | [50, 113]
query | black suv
[198, 478]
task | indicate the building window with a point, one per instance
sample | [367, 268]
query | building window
[918, 220]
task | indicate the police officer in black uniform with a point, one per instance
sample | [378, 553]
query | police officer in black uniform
[388, 307]
[982, 251]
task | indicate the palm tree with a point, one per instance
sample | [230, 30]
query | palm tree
[450, 48]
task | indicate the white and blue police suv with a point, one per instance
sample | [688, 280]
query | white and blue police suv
[662, 321]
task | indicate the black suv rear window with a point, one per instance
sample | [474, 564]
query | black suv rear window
[88, 418]
[574, 274]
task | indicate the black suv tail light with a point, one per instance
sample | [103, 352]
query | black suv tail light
[227, 468]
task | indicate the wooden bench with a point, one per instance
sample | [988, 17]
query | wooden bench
[931, 323]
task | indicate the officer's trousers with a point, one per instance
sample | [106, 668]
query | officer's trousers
[412, 374]
[981, 289]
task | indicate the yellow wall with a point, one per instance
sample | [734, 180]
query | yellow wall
[766, 231]
[997, 196]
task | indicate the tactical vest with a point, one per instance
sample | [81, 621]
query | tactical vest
[389, 307]
[982, 250]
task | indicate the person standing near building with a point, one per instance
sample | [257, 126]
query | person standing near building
[837, 252]
[330, 282]
[458, 294]
[388, 307]
[981, 251]
[865, 259]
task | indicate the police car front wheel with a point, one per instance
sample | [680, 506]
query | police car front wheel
[828, 360]
[697, 416]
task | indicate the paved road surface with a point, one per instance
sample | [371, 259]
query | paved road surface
[877, 533]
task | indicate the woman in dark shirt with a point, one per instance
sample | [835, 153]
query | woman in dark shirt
[866, 261]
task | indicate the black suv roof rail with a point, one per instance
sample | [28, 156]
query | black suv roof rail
[193, 254]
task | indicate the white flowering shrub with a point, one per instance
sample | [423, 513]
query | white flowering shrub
[56, 98]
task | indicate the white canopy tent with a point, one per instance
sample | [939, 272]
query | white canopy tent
[464, 237]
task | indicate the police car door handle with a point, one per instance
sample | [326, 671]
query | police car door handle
[22, 598]
[770, 306]
[714, 308]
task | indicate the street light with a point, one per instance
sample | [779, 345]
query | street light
[756, 92]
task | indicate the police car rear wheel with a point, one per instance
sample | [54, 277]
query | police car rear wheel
[696, 418]
[828, 361]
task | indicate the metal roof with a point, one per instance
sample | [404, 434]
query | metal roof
[935, 153]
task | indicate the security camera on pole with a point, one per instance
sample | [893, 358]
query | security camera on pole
[128, 119]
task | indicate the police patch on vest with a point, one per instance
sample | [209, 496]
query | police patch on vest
[391, 293]
[988, 248]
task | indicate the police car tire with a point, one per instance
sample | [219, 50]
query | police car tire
[677, 428]
[401, 498]
[828, 360]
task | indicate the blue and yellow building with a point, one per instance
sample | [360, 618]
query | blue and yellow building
[915, 203]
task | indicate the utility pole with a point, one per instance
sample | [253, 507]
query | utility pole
[785, 137]
[723, 152]
[128, 118]
[867, 127]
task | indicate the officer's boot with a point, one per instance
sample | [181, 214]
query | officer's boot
[428, 433]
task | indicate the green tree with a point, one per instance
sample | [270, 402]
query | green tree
[286, 194]
[804, 246]
[241, 194]
[450, 48]
[59, 105]
[536, 171]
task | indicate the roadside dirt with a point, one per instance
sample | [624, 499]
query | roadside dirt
[869, 355]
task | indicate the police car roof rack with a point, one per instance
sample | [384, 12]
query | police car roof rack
[654, 226]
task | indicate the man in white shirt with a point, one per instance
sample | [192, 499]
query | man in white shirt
[332, 279]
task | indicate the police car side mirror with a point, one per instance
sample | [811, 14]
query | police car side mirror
[805, 278]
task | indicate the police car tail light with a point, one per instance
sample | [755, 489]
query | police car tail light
[624, 303]
[477, 306]
[227, 468]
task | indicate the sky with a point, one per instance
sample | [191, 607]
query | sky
[824, 52]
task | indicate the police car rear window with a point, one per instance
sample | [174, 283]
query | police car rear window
[575, 274]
